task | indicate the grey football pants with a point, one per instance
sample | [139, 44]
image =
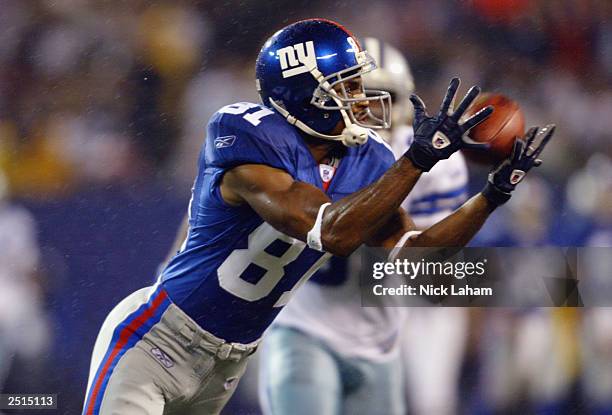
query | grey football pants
[171, 367]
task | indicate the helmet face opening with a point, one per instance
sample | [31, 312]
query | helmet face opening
[393, 75]
[336, 92]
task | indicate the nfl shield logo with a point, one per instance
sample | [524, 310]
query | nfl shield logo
[327, 172]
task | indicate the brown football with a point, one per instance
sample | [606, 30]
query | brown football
[499, 130]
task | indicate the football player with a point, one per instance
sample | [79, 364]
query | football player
[24, 327]
[325, 353]
[261, 221]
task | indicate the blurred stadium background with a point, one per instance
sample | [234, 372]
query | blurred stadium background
[102, 112]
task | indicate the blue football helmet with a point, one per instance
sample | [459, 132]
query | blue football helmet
[302, 73]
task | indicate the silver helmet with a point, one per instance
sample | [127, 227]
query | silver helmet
[393, 75]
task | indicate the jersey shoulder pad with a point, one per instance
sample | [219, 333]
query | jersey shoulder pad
[377, 147]
[368, 162]
[245, 133]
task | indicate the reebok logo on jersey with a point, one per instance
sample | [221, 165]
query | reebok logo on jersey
[162, 357]
[297, 59]
[227, 141]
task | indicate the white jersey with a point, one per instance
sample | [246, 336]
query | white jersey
[333, 313]
[438, 192]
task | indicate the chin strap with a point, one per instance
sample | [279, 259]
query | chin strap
[352, 135]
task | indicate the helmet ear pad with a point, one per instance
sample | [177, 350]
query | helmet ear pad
[319, 120]
[298, 103]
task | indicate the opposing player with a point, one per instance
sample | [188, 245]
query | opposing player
[261, 223]
[432, 340]
[327, 354]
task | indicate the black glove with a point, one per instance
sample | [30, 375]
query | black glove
[504, 178]
[436, 138]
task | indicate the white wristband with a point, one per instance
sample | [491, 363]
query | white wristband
[314, 235]
[400, 244]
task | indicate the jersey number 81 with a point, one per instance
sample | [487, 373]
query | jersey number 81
[233, 268]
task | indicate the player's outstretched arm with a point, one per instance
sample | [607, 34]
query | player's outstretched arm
[293, 207]
[305, 212]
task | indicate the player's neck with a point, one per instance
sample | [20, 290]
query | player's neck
[322, 149]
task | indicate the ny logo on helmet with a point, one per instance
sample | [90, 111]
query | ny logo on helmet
[296, 59]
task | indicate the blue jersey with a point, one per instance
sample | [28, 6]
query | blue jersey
[235, 271]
